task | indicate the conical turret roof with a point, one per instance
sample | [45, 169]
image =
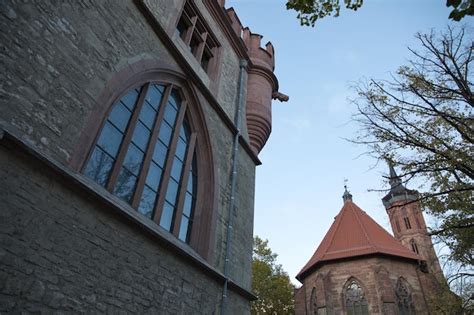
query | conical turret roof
[354, 233]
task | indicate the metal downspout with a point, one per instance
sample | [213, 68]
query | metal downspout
[233, 181]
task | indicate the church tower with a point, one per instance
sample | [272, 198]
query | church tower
[408, 223]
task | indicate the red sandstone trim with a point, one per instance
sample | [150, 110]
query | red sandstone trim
[192, 75]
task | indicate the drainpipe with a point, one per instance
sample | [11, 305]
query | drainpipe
[233, 183]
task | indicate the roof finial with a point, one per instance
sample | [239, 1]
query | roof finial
[347, 196]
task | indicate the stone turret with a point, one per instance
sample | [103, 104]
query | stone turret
[262, 84]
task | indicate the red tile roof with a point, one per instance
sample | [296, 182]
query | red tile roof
[354, 233]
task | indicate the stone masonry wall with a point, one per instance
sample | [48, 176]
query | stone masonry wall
[370, 272]
[56, 58]
[60, 250]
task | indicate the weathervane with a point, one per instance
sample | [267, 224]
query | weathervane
[347, 195]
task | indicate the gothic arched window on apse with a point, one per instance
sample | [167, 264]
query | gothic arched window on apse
[314, 303]
[354, 299]
[404, 300]
[145, 155]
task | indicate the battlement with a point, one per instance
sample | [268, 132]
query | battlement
[262, 85]
[258, 54]
[263, 56]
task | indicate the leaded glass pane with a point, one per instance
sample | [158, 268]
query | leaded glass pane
[130, 99]
[110, 139]
[183, 229]
[99, 166]
[170, 115]
[167, 216]
[188, 202]
[120, 116]
[141, 135]
[154, 95]
[111, 136]
[154, 176]
[125, 185]
[172, 191]
[147, 116]
[147, 202]
[175, 99]
[176, 169]
[159, 154]
[181, 149]
[165, 133]
[133, 159]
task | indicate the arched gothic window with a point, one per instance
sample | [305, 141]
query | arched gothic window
[354, 298]
[404, 301]
[414, 247]
[145, 154]
[314, 302]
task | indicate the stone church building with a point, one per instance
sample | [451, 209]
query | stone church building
[129, 137]
[359, 268]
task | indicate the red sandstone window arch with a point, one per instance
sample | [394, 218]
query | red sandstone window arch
[174, 166]
[144, 154]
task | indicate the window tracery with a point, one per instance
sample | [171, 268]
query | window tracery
[404, 299]
[355, 301]
[314, 302]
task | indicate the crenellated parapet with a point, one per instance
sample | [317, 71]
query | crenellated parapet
[264, 57]
[262, 84]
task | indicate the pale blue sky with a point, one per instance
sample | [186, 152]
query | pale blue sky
[300, 184]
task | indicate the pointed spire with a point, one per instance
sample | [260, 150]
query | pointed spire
[394, 179]
[347, 195]
[397, 190]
